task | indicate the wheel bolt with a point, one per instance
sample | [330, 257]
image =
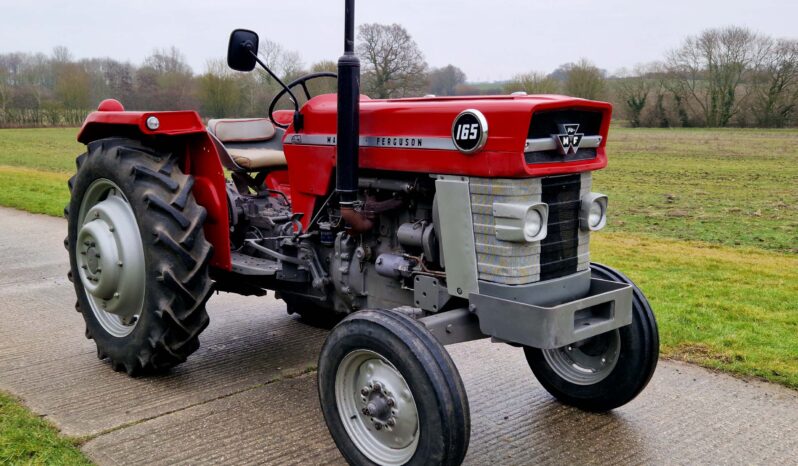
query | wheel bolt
[391, 422]
[378, 426]
[377, 387]
[365, 411]
[391, 402]
[364, 391]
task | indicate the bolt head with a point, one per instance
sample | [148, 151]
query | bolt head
[153, 123]
[391, 402]
[365, 411]
[391, 422]
[364, 391]
[378, 426]
[377, 387]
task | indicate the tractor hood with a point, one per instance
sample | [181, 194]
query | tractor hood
[420, 134]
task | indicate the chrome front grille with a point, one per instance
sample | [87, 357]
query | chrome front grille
[566, 247]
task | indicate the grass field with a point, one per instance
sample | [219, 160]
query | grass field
[705, 221]
[26, 439]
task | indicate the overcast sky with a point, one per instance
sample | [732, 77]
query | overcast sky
[489, 39]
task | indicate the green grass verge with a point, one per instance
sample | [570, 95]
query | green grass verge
[35, 191]
[26, 439]
[733, 309]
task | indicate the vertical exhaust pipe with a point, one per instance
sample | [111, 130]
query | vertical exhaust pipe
[348, 132]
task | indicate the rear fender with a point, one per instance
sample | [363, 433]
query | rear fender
[182, 133]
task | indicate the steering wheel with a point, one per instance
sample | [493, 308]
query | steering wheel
[298, 82]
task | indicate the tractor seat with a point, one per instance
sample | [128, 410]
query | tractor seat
[248, 144]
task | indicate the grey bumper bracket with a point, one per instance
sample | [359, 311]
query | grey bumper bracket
[607, 306]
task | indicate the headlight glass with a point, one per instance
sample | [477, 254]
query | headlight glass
[593, 212]
[596, 214]
[533, 223]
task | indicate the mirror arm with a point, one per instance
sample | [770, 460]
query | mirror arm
[297, 116]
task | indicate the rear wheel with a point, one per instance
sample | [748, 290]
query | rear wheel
[391, 394]
[138, 255]
[606, 371]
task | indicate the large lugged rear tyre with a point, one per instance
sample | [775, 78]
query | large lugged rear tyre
[608, 370]
[138, 255]
[391, 394]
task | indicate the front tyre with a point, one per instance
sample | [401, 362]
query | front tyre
[391, 394]
[138, 255]
[606, 371]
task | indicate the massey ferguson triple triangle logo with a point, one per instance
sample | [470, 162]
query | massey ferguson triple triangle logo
[568, 140]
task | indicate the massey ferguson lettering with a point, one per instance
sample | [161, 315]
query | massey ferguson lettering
[396, 142]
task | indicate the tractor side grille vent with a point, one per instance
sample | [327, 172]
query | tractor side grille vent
[546, 123]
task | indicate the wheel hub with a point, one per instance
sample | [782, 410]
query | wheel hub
[110, 258]
[377, 406]
[586, 362]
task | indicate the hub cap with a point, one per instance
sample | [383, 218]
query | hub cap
[586, 362]
[110, 258]
[377, 408]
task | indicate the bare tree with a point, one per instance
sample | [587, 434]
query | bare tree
[584, 79]
[219, 92]
[393, 63]
[709, 70]
[165, 82]
[633, 90]
[532, 83]
[444, 81]
[775, 84]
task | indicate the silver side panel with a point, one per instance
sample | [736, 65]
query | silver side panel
[499, 261]
[584, 236]
[457, 234]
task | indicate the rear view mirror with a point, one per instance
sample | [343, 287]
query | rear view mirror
[242, 50]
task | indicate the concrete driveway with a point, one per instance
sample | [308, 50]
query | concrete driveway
[249, 394]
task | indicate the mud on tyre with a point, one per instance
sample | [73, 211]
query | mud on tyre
[138, 255]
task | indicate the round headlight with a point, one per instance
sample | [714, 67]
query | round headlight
[596, 214]
[532, 223]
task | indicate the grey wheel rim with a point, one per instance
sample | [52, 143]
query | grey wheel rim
[377, 408]
[586, 362]
[110, 258]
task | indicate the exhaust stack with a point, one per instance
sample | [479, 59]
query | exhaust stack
[348, 133]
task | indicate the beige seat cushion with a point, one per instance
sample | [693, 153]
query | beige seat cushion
[242, 130]
[253, 159]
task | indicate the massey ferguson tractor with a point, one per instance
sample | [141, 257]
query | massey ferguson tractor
[415, 223]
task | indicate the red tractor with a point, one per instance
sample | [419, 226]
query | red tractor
[416, 223]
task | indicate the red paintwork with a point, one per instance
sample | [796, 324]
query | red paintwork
[311, 168]
[101, 123]
[110, 105]
[201, 160]
[278, 181]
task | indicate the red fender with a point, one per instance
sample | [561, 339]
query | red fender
[200, 159]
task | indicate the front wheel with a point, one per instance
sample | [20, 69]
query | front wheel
[391, 394]
[606, 371]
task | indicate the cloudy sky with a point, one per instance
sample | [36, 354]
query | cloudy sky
[489, 39]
